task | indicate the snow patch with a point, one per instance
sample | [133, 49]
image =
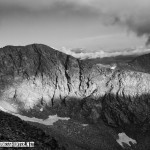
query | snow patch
[84, 125]
[123, 138]
[113, 67]
[50, 121]
[107, 66]
[41, 109]
[6, 107]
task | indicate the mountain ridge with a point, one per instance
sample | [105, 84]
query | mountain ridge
[37, 77]
[50, 77]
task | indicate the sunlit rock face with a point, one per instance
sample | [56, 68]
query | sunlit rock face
[39, 77]
[29, 75]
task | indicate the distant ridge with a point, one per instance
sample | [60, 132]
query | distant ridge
[141, 63]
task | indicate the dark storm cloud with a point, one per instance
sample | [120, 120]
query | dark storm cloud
[46, 7]
[10, 10]
[132, 14]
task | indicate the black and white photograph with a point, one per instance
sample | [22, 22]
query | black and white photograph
[74, 74]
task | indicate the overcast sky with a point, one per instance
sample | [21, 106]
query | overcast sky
[90, 24]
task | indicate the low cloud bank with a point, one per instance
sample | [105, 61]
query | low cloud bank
[102, 53]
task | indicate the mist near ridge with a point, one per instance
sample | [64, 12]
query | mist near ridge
[83, 54]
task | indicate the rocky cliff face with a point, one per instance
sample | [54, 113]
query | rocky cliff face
[37, 76]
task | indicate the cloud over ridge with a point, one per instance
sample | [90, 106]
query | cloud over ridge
[102, 53]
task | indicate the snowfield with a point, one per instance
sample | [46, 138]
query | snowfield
[123, 138]
[6, 107]
[50, 121]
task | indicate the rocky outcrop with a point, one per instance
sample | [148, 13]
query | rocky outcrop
[37, 76]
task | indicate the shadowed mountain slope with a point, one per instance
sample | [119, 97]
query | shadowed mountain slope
[141, 63]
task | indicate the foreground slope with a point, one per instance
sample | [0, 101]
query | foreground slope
[13, 129]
